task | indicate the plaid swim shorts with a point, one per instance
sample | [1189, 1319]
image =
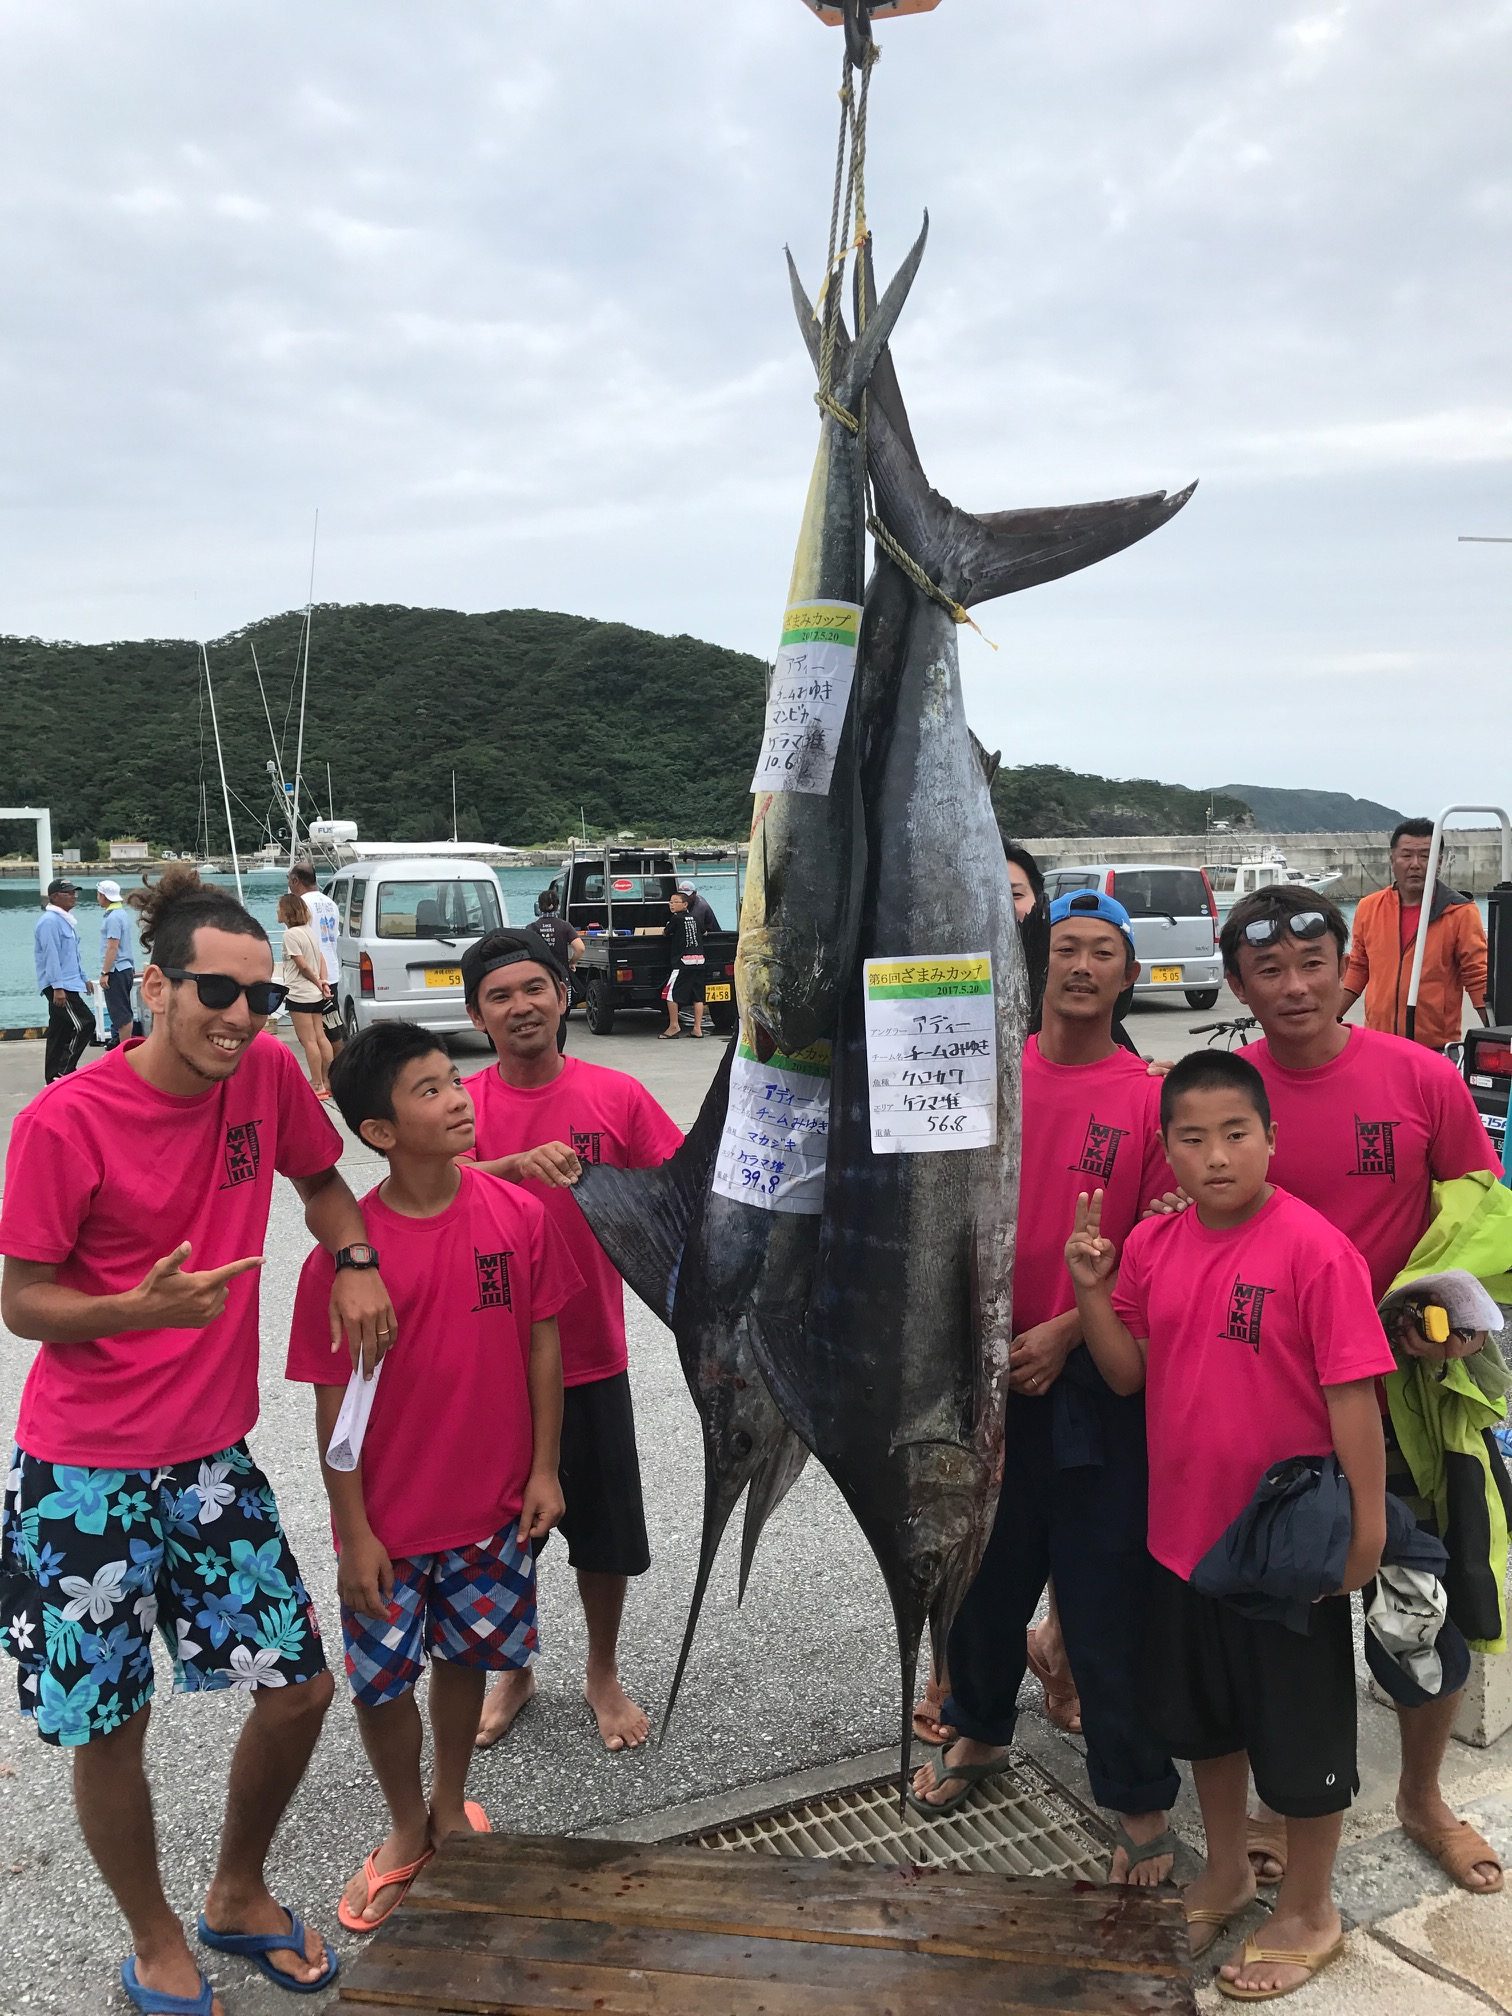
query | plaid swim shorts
[93, 1560]
[471, 1606]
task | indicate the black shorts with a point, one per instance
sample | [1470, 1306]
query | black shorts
[306, 1007]
[604, 1524]
[685, 984]
[1216, 1681]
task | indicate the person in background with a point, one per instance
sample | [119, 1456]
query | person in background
[563, 942]
[1366, 1123]
[540, 1117]
[325, 921]
[302, 971]
[1033, 914]
[117, 963]
[1385, 934]
[685, 982]
[61, 982]
[701, 907]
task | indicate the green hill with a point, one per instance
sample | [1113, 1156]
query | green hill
[545, 718]
[1279, 811]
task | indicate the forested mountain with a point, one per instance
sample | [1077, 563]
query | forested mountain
[1280, 811]
[546, 719]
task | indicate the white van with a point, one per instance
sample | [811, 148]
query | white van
[1175, 919]
[404, 923]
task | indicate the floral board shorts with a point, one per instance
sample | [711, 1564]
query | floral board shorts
[92, 1560]
[471, 1606]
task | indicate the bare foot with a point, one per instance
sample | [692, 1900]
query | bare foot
[1286, 1933]
[621, 1724]
[396, 1852]
[1140, 1828]
[509, 1694]
[1227, 1893]
[935, 1786]
[927, 1725]
[173, 1971]
[1265, 1833]
[227, 1913]
[1425, 1819]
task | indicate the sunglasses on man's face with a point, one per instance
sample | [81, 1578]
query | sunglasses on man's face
[219, 990]
[1267, 930]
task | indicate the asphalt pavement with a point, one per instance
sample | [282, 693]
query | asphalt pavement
[803, 1675]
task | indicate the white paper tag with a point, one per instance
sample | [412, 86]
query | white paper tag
[931, 1052]
[345, 1451]
[810, 692]
[776, 1132]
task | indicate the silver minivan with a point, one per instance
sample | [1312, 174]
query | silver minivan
[404, 925]
[1175, 921]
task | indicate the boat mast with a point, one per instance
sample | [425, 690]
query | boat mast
[454, 808]
[304, 689]
[225, 788]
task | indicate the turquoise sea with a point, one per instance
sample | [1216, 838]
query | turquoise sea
[21, 1005]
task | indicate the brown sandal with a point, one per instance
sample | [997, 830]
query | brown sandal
[1062, 1698]
[1457, 1849]
[1265, 1838]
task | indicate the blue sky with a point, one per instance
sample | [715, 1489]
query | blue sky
[499, 288]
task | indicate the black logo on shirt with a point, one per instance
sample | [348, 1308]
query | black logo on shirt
[242, 1154]
[1099, 1150]
[587, 1147]
[1245, 1311]
[493, 1281]
[1375, 1150]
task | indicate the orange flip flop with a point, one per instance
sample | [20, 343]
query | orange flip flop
[379, 1880]
[477, 1819]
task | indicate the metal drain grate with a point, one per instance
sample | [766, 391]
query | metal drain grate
[1020, 1824]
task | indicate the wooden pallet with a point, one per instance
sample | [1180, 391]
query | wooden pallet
[526, 1923]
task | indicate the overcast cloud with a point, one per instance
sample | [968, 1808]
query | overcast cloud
[498, 287]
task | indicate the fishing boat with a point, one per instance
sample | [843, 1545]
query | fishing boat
[1234, 876]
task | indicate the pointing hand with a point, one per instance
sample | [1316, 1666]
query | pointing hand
[168, 1298]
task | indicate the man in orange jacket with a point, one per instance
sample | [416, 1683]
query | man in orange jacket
[1385, 932]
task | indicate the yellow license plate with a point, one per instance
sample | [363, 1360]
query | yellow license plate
[443, 976]
[1166, 976]
[717, 990]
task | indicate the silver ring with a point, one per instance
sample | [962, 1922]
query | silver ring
[1032, 1380]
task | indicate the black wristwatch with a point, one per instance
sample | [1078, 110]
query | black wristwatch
[360, 1257]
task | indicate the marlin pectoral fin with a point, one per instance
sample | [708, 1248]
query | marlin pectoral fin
[718, 1505]
[642, 1217]
[769, 1487]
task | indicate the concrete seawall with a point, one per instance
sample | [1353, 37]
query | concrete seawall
[1471, 859]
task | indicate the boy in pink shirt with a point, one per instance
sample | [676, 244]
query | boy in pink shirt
[541, 1116]
[1249, 1324]
[1366, 1123]
[456, 1478]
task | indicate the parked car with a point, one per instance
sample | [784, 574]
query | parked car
[404, 925]
[1175, 921]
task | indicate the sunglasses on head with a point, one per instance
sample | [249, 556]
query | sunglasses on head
[1303, 924]
[219, 990]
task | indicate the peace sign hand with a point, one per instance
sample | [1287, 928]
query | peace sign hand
[1090, 1259]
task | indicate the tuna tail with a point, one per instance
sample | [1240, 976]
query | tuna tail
[718, 1505]
[864, 363]
[770, 1485]
[973, 558]
[642, 1217]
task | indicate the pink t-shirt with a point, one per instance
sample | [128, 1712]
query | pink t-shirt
[449, 1441]
[105, 1175]
[1362, 1139]
[1086, 1127]
[604, 1116]
[1246, 1327]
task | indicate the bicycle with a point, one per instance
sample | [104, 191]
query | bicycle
[1239, 1028]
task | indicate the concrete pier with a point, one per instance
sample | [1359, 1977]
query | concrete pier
[1471, 860]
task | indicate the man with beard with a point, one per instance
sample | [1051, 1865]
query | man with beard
[136, 1206]
[541, 1116]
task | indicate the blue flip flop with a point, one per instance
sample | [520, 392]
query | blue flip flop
[153, 2002]
[256, 1946]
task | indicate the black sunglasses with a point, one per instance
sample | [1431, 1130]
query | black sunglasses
[219, 990]
[1266, 930]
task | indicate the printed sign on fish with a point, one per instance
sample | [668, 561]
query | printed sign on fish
[776, 1132]
[810, 693]
[931, 1052]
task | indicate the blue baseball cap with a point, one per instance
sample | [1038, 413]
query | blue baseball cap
[1092, 903]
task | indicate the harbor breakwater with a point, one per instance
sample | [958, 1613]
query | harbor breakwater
[1471, 858]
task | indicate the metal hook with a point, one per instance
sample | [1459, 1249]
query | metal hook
[858, 32]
